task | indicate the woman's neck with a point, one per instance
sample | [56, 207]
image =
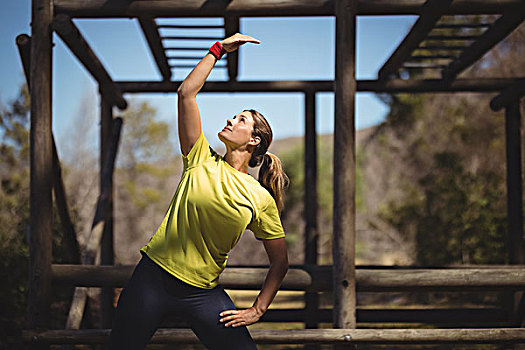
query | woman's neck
[238, 160]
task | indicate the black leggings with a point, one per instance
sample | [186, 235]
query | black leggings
[152, 293]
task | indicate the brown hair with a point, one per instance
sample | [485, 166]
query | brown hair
[271, 174]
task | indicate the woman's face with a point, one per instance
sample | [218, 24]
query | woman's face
[238, 130]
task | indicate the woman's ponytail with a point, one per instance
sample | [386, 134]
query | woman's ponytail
[273, 178]
[271, 174]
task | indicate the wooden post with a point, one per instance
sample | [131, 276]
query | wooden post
[311, 233]
[516, 302]
[344, 167]
[106, 250]
[41, 154]
[514, 185]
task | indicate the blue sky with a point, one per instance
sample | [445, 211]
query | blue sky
[292, 48]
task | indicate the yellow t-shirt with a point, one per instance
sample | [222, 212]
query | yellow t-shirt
[213, 204]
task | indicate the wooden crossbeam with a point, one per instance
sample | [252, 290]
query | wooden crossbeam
[190, 26]
[70, 236]
[217, 8]
[476, 317]
[318, 278]
[301, 336]
[420, 315]
[509, 21]
[482, 85]
[151, 32]
[462, 25]
[434, 9]
[23, 42]
[192, 38]
[452, 37]
[72, 37]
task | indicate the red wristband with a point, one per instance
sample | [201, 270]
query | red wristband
[217, 50]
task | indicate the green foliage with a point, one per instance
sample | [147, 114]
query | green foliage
[455, 217]
[14, 218]
[144, 138]
[145, 144]
[446, 152]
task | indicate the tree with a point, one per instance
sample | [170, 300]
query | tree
[450, 152]
[146, 163]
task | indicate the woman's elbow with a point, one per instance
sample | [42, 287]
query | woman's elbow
[183, 91]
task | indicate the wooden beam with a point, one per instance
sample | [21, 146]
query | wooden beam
[512, 93]
[514, 183]
[73, 39]
[232, 26]
[311, 229]
[343, 243]
[69, 233]
[474, 316]
[41, 166]
[433, 10]
[217, 8]
[107, 253]
[151, 32]
[76, 310]
[319, 278]
[23, 42]
[391, 86]
[509, 21]
[301, 336]
[104, 199]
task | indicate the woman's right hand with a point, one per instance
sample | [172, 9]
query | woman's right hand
[235, 41]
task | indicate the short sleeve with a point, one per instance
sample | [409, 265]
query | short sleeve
[268, 224]
[198, 153]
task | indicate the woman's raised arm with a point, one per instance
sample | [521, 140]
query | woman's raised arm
[189, 117]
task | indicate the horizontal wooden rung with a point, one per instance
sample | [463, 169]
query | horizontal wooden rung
[452, 37]
[190, 26]
[443, 47]
[187, 66]
[190, 38]
[186, 48]
[431, 57]
[462, 25]
[301, 336]
[319, 278]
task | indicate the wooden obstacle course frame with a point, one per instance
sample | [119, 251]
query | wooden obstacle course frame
[344, 281]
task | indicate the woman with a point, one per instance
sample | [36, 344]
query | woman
[216, 200]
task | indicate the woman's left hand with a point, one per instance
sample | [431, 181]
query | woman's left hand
[236, 318]
[235, 41]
